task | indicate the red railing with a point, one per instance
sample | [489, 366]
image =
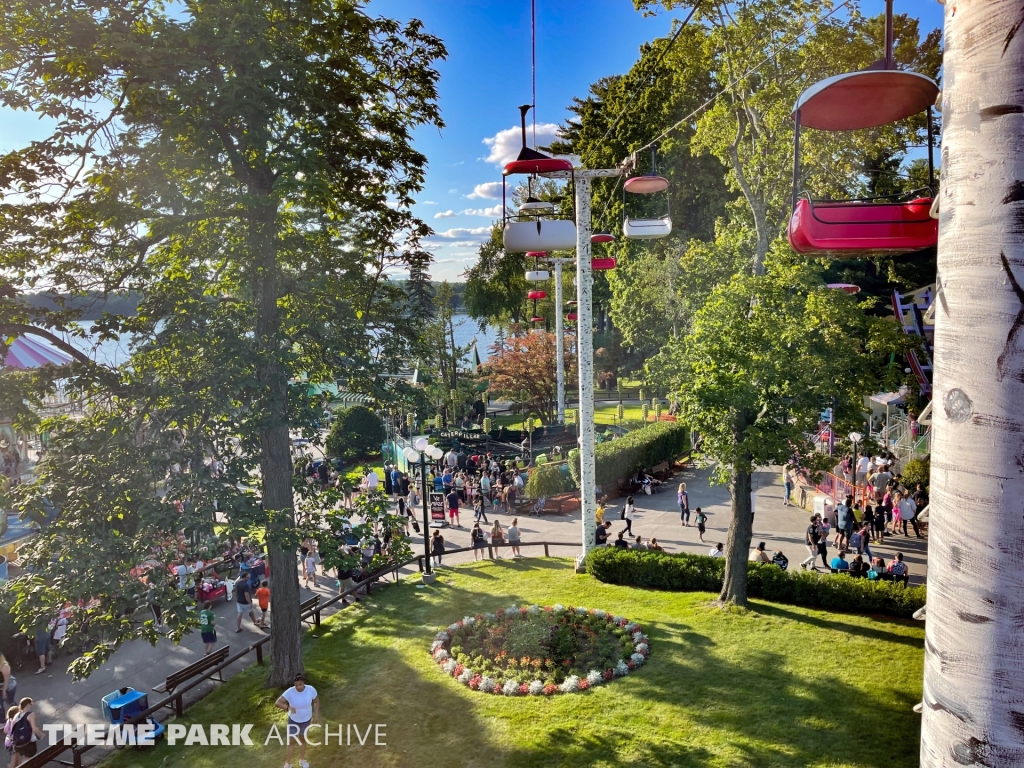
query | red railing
[837, 488]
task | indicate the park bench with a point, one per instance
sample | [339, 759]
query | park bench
[662, 471]
[310, 605]
[194, 669]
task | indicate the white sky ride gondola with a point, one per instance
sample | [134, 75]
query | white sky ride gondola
[654, 228]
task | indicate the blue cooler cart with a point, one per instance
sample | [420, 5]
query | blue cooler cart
[122, 705]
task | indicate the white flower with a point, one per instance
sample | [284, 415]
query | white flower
[449, 666]
[487, 684]
[510, 688]
[466, 676]
[620, 669]
[490, 616]
[599, 613]
[453, 627]
[617, 619]
[512, 608]
[581, 611]
[441, 654]
[630, 627]
[469, 621]
[442, 636]
[594, 677]
[638, 637]
[558, 608]
[641, 647]
[571, 684]
[536, 688]
[637, 659]
[533, 610]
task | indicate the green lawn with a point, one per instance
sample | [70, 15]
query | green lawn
[776, 686]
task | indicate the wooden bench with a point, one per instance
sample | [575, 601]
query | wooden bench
[662, 471]
[194, 669]
[310, 605]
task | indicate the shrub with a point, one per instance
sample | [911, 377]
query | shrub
[643, 447]
[546, 480]
[355, 434]
[917, 471]
[684, 572]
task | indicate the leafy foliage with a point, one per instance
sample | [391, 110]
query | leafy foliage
[356, 433]
[545, 481]
[685, 572]
[641, 448]
[527, 364]
[917, 471]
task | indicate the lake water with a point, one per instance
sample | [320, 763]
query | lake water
[115, 352]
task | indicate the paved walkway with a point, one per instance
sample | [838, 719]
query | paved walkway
[142, 666]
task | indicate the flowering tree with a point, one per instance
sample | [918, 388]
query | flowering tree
[527, 365]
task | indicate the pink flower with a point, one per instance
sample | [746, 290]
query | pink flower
[457, 671]
[631, 664]
[524, 689]
[607, 674]
[584, 684]
[550, 688]
[474, 682]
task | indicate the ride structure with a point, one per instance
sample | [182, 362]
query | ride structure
[873, 226]
[648, 227]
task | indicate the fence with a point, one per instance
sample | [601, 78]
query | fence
[55, 753]
[838, 489]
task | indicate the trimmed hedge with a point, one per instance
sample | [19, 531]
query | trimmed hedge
[641, 448]
[684, 572]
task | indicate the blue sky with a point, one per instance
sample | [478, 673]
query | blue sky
[485, 78]
[487, 75]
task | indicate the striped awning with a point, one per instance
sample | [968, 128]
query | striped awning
[24, 352]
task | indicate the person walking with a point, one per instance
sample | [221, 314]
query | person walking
[683, 501]
[10, 683]
[629, 515]
[701, 519]
[25, 732]
[453, 509]
[497, 538]
[513, 537]
[207, 627]
[479, 540]
[303, 707]
[243, 601]
[263, 598]
[823, 530]
[437, 547]
[309, 568]
[479, 513]
[811, 542]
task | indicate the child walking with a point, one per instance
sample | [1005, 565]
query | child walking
[701, 519]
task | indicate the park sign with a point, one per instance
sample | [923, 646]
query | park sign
[437, 509]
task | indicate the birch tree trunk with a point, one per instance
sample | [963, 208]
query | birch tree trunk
[974, 648]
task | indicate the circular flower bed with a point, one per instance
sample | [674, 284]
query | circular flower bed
[540, 651]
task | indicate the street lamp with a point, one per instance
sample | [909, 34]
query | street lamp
[855, 438]
[419, 452]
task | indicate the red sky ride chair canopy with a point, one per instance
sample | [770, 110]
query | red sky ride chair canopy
[871, 226]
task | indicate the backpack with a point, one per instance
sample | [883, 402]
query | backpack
[21, 733]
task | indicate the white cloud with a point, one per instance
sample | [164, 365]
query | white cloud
[493, 211]
[445, 214]
[461, 233]
[490, 190]
[428, 202]
[505, 145]
[453, 191]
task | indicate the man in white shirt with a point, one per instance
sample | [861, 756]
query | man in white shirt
[451, 459]
[908, 513]
[371, 482]
[862, 469]
[303, 708]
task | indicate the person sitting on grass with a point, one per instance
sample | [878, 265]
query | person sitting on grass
[839, 563]
[620, 542]
[654, 546]
[639, 544]
[858, 568]
[716, 551]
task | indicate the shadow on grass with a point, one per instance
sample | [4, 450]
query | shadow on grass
[838, 624]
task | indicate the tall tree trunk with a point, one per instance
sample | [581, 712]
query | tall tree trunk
[973, 689]
[275, 457]
[737, 546]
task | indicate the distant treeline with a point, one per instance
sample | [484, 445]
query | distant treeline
[457, 288]
[92, 305]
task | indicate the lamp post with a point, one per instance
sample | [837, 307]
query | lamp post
[419, 452]
[855, 438]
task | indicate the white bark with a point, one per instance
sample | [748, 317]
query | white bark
[974, 650]
[560, 345]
